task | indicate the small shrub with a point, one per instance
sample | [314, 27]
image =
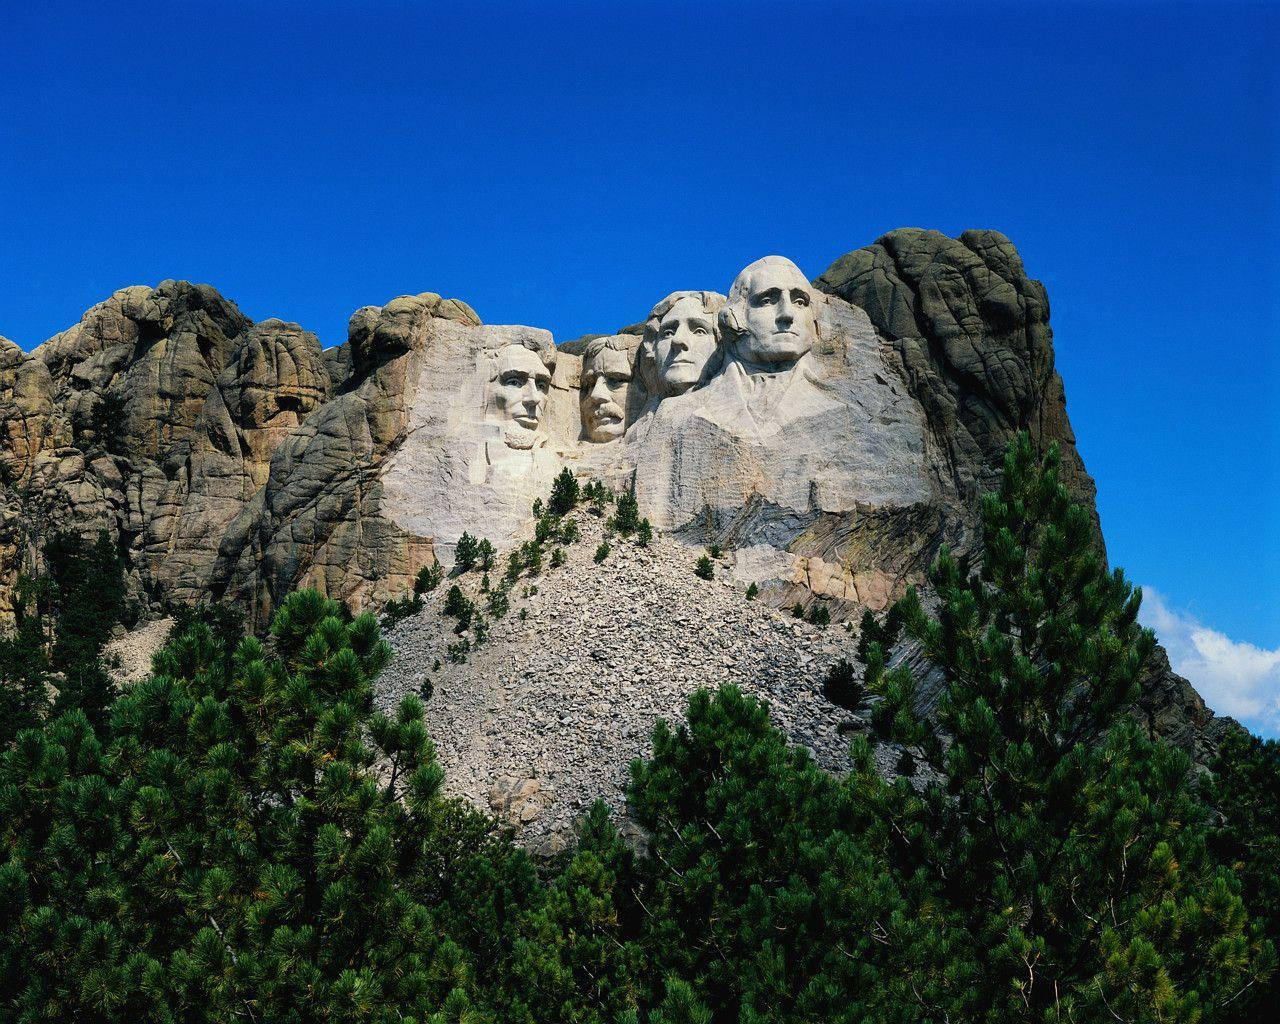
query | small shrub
[479, 628]
[524, 614]
[842, 687]
[557, 558]
[499, 602]
[395, 610]
[704, 568]
[466, 553]
[459, 606]
[107, 421]
[485, 554]
[546, 528]
[644, 533]
[532, 555]
[435, 665]
[515, 565]
[819, 614]
[484, 584]
[428, 578]
[715, 550]
[752, 592]
[539, 510]
[427, 689]
[569, 532]
[602, 552]
[564, 493]
[627, 517]
[457, 652]
[907, 764]
[797, 610]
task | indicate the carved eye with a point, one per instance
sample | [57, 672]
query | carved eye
[512, 379]
[667, 332]
[800, 299]
[544, 385]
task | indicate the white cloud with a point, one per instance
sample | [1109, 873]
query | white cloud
[1235, 678]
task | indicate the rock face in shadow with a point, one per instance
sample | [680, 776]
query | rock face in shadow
[840, 433]
[972, 332]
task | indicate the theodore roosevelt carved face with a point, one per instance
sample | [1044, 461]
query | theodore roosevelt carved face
[606, 381]
[518, 389]
[771, 315]
[681, 339]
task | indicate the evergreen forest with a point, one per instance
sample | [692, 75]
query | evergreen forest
[242, 836]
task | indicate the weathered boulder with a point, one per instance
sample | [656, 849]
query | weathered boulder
[972, 331]
[274, 378]
[318, 518]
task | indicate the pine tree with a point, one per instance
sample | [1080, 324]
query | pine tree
[571, 963]
[564, 494]
[1070, 849]
[429, 577]
[1245, 790]
[626, 518]
[466, 552]
[24, 679]
[253, 842]
[768, 896]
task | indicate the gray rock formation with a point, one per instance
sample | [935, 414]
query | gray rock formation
[831, 435]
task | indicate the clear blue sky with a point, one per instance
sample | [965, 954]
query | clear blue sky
[565, 165]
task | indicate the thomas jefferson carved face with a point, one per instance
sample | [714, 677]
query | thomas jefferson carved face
[518, 393]
[606, 379]
[685, 343]
[772, 310]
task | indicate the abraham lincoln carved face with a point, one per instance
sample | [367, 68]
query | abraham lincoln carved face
[517, 397]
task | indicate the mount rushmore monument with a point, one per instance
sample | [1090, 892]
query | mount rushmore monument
[745, 419]
[829, 434]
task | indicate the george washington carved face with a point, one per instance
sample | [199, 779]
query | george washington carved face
[771, 314]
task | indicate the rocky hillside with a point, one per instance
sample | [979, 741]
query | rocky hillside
[545, 715]
[236, 461]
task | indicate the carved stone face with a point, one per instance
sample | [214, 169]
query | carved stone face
[606, 376]
[685, 344]
[780, 322]
[518, 394]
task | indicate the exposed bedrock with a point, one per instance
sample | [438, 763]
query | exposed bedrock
[831, 435]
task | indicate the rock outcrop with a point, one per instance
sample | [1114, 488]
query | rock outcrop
[831, 435]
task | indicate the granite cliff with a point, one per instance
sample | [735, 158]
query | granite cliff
[830, 435]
